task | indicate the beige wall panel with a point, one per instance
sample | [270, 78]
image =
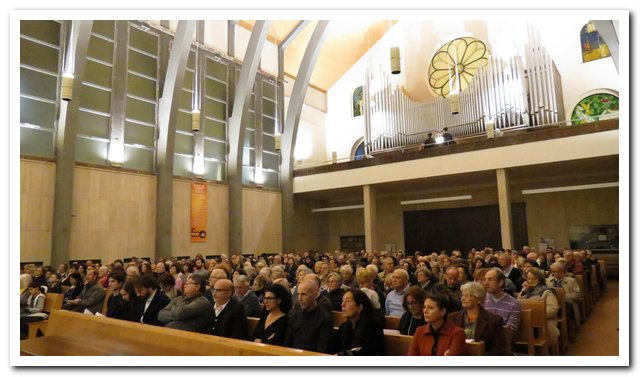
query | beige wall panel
[111, 208]
[551, 214]
[217, 227]
[345, 223]
[261, 221]
[311, 229]
[36, 209]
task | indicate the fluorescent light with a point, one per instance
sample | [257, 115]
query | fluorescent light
[343, 208]
[570, 188]
[435, 200]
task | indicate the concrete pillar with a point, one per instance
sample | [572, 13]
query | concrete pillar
[65, 144]
[504, 204]
[369, 193]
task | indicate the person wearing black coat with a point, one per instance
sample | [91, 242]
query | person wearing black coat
[360, 334]
[148, 291]
[229, 318]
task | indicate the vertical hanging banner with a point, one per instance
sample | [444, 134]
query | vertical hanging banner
[198, 212]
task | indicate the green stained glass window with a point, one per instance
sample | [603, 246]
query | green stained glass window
[595, 107]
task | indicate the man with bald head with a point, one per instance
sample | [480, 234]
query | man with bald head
[311, 327]
[229, 318]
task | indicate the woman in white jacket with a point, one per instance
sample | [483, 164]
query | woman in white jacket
[32, 309]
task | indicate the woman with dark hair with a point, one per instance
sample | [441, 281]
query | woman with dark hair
[272, 326]
[360, 334]
[412, 304]
[76, 286]
[439, 337]
[129, 296]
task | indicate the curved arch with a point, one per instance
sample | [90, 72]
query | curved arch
[357, 150]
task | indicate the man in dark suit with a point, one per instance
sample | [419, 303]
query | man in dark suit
[150, 300]
[510, 271]
[245, 296]
[229, 318]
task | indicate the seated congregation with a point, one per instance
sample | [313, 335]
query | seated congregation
[341, 303]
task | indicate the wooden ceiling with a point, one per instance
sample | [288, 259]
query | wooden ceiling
[345, 43]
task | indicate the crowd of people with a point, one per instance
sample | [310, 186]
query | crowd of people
[441, 299]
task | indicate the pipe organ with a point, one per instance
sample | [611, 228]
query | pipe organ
[511, 91]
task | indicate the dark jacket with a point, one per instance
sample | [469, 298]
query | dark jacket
[231, 323]
[365, 339]
[160, 300]
[310, 330]
[187, 313]
[488, 328]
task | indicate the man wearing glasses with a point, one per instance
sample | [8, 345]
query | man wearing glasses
[191, 311]
[229, 318]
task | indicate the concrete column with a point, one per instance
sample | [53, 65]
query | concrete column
[167, 114]
[291, 123]
[370, 215]
[504, 204]
[65, 144]
[236, 132]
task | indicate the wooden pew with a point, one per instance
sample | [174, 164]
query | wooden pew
[391, 323]
[603, 274]
[537, 322]
[585, 300]
[338, 318]
[398, 345]
[252, 322]
[562, 319]
[53, 301]
[69, 334]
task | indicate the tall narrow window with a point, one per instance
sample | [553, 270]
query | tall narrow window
[593, 46]
[39, 62]
[357, 102]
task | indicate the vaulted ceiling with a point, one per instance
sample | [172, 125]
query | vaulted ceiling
[345, 43]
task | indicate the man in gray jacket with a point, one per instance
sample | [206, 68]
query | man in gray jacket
[191, 311]
[91, 297]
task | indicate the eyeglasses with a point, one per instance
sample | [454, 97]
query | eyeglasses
[221, 290]
[270, 298]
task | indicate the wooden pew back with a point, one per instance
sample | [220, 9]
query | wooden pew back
[71, 333]
[338, 318]
[538, 323]
[391, 323]
[53, 301]
[252, 322]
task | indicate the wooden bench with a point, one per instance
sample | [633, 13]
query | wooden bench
[70, 334]
[390, 323]
[532, 332]
[53, 301]
[585, 300]
[398, 345]
[562, 319]
[252, 322]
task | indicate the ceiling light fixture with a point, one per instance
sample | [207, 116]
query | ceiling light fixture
[570, 188]
[435, 200]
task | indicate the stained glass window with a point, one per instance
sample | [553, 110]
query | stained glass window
[455, 63]
[593, 46]
[595, 107]
[357, 102]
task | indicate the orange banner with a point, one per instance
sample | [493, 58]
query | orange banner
[198, 212]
